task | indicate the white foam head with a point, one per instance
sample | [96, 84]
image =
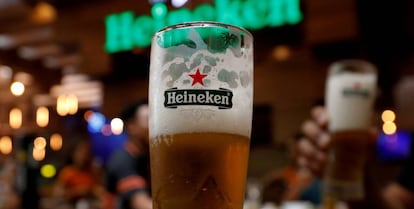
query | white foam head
[223, 70]
[349, 99]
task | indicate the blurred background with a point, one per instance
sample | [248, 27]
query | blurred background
[67, 67]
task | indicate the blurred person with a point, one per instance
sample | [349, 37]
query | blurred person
[291, 183]
[313, 148]
[80, 180]
[27, 171]
[9, 197]
[128, 171]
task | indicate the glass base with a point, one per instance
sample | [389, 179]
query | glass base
[343, 191]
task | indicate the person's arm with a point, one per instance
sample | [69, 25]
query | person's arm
[400, 194]
[398, 197]
[11, 197]
[141, 200]
[134, 192]
[128, 183]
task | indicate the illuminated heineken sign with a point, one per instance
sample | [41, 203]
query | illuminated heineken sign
[125, 31]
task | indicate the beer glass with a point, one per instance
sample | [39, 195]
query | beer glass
[200, 99]
[350, 96]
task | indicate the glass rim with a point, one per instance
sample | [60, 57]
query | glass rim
[203, 24]
[351, 65]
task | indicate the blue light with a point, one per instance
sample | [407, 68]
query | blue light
[395, 146]
[95, 122]
[104, 146]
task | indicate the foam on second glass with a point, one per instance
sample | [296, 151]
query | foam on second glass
[350, 97]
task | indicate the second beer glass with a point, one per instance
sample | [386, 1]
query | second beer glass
[201, 99]
[350, 95]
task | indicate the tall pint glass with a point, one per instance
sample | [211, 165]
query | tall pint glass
[350, 96]
[200, 99]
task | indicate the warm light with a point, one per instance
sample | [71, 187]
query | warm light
[61, 105]
[24, 78]
[17, 88]
[15, 118]
[48, 171]
[42, 116]
[43, 13]
[87, 114]
[67, 104]
[106, 130]
[6, 145]
[39, 154]
[39, 143]
[72, 104]
[178, 3]
[388, 116]
[117, 126]
[389, 128]
[56, 142]
[281, 53]
[5, 72]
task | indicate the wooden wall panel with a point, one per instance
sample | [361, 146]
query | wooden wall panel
[330, 21]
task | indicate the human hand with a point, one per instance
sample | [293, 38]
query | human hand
[141, 200]
[313, 146]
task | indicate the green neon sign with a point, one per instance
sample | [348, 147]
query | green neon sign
[124, 31]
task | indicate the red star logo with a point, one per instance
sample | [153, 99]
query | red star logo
[357, 86]
[197, 77]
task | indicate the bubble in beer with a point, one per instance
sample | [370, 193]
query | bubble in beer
[214, 193]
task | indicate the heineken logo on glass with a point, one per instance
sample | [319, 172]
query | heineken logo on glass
[356, 90]
[221, 98]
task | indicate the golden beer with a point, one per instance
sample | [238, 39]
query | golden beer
[347, 157]
[199, 170]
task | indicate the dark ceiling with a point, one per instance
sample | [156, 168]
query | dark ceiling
[379, 31]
